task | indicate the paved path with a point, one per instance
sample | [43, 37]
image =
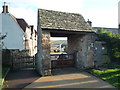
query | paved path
[21, 78]
[69, 78]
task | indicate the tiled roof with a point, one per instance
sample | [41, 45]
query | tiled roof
[61, 20]
[22, 23]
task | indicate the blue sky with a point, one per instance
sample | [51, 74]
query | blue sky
[103, 13]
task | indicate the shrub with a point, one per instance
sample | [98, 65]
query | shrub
[112, 43]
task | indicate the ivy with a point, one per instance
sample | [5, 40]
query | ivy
[112, 43]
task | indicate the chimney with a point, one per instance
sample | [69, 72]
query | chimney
[90, 23]
[5, 8]
[32, 29]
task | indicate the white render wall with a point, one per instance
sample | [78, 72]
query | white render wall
[32, 41]
[14, 39]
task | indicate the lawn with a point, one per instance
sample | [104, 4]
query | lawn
[111, 75]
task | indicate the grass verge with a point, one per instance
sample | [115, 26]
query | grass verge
[5, 70]
[111, 75]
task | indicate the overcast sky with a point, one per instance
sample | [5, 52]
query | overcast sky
[102, 13]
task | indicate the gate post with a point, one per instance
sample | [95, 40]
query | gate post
[46, 60]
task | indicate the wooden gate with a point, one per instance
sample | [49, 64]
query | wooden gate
[62, 60]
[20, 62]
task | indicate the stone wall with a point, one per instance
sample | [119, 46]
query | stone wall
[8, 55]
[82, 45]
[101, 56]
[75, 47]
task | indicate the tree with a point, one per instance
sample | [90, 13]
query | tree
[1, 38]
[112, 42]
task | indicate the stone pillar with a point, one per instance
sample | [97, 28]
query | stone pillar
[39, 60]
[43, 62]
[83, 45]
[88, 50]
[46, 53]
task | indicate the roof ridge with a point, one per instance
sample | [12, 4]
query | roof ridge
[60, 11]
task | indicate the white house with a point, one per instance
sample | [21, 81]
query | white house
[20, 35]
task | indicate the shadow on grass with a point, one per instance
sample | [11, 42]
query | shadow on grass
[111, 75]
[106, 74]
[114, 81]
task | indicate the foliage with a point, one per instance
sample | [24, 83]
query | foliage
[2, 36]
[5, 70]
[57, 42]
[112, 42]
[55, 46]
[110, 75]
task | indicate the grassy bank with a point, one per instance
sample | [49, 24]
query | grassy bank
[111, 75]
[4, 73]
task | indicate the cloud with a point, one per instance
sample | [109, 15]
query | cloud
[100, 16]
[29, 15]
[27, 9]
[64, 5]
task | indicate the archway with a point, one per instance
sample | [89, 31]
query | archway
[61, 24]
[79, 43]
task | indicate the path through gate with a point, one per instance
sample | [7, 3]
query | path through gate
[62, 60]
